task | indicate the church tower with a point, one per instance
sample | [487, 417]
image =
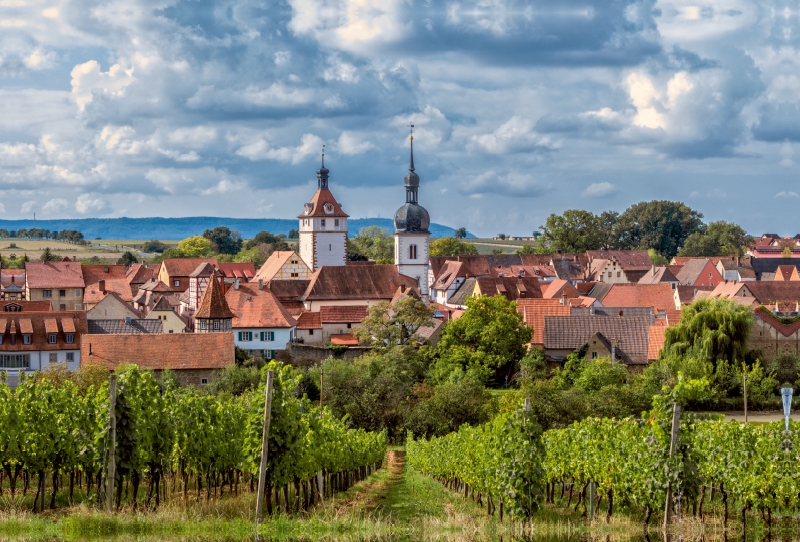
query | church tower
[411, 223]
[323, 227]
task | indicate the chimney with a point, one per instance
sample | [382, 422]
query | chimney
[613, 350]
[260, 284]
[101, 284]
[236, 284]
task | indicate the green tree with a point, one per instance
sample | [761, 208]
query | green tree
[574, 231]
[354, 253]
[660, 225]
[394, 324]
[293, 234]
[460, 233]
[712, 330]
[48, 256]
[501, 236]
[717, 239]
[490, 334]
[656, 258]
[262, 237]
[154, 246]
[376, 244]
[127, 259]
[224, 240]
[443, 409]
[450, 246]
[192, 247]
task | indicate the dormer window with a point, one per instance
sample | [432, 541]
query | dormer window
[308, 208]
[26, 339]
[51, 338]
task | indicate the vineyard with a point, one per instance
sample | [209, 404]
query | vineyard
[178, 442]
[750, 468]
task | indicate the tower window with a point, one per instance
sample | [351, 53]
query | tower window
[412, 252]
[322, 222]
[329, 248]
[336, 222]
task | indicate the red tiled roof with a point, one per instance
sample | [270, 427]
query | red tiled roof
[139, 273]
[512, 288]
[630, 333]
[657, 275]
[233, 270]
[686, 294]
[183, 267]
[45, 275]
[39, 325]
[658, 296]
[534, 312]
[786, 272]
[342, 314]
[309, 320]
[27, 306]
[368, 282]
[628, 260]
[116, 280]
[769, 318]
[447, 274]
[344, 339]
[12, 276]
[683, 260]
[317, 203]
[559, 287]
[674, 317]
[254, 308]
[160, 351]
[288, 290]
[655, 342]
[213, 304]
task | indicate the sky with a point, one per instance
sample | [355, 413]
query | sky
[521, 108]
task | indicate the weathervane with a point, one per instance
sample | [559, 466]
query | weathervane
[411, 129]
[323, 155]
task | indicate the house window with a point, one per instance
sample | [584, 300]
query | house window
[26, 339]
[412, 252]
[268, 354]
[203, 324]
[15, 361]
[329, 248]
[47, 293]
[322, 222]
[176, 283]
[619, 274]
[78, 292]
[310, 331]
[78, 306]
[204, 381]
[62, 293]
[70, 356]
[53, 358]
[245, 336]
[709, 274]
[349, 325]
[609, 274]
[267, 336]
[216, 324]
[594, 355]
[51, 338]
[228, 325]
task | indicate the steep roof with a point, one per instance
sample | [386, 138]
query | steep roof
[686, 294]
[628, 260]
[655, 341]
[772, 291]
[534, 311]
[162, 305]
[183, 267]
[237, 270]
[213, 304]
[558, 288]
[691, 270]
[355, 282]
[451, 270]
[54, 275]
[770, 265]
[204, 269]
[786, 272]
[254, 308]
[288, 290]
[34, 323]
[466, 290]
[512, 288]
[629, 333]
[568, 269]
[316, 207]
[342, 314]
[115, 279]
[158, 351]
[769, 318]
[309, 320]
[155, 285]
[657, 275]
[658, 296]
[275, 262]
[117, 326]
[139, 273]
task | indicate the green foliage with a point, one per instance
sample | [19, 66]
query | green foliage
[387, 325]
[223, 240]
[49, 256]
[717, 239]
[786, 367]
[192, 247]
[442, 410]
[711, 329]
[489, 335]
[460, 233]
[577, 231]
[656, 258]
[154, 246]
[450, 246]
[660, 225]
[127, 259]
[375, 243]
[600, 373]
[501, 460]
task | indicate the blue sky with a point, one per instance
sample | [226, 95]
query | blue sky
[522, 108]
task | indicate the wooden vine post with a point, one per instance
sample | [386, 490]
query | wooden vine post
[262, 471]
[673, 444]
[112, 449]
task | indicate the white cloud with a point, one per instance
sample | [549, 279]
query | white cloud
[350, 143]
[194, 137]
[786, 195]
[2, 208]
[260, 150]
[87, 78]
[39, 60]
[513, 136]
[223, 187]
[600, 190]
[89, 204]
[55, 205]
[27, 207]
[511, 184]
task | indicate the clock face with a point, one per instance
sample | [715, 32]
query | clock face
[328, 208]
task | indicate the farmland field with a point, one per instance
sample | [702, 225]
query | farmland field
[33, 249]
[486, 246]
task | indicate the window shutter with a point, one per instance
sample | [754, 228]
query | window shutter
[240, 335]
[262, 335]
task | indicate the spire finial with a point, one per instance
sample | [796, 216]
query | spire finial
[411, 129]
[323, 155]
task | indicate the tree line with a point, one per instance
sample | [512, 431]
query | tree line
[68, 236]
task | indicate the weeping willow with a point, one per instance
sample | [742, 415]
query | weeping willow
[711, 329]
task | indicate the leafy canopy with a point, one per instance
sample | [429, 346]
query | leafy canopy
[394, 324]
[375, 243]
[192, 247]
[450, 246]
[717, 239]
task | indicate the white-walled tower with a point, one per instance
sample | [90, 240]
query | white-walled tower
[323, 227]
[411, 234]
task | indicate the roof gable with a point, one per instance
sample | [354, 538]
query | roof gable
[360, 282]
[44, 275]
[657, 296]
[254, 308]
[316, 207]
[213, 304]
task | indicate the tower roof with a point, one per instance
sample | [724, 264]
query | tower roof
[213, 304]
[323, 204]
[411, 217]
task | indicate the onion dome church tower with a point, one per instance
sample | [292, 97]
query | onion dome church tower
[323, 227]
[411, 234]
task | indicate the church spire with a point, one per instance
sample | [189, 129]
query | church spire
[322, 173]
[411, 180]
[411, 166]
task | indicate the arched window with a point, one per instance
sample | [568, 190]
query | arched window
[412, 252]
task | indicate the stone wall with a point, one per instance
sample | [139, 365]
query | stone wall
[304, 355]
[770, 341]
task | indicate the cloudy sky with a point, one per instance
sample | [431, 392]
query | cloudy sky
[522, 108]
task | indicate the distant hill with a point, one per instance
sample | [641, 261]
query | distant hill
[181, 228]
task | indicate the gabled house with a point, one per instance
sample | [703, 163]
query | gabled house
[618, 266]
[659, 297]
[32, 341]
[174, 272]
[736, 270]
[687, 294]
[12, 284]
[512, 288]
[139, 274]
[560, 288]
[213, 315]
[569, 269]
[99, 280]
[261, 325]
[337, 322]
[450, 278]
[699, 272]
[283, 265]
[113, 307]
[232, 271]
[623, 338]
[660, 275]
[353, 285]
[309, 328]
[786, 273]
[534, 312]
[60, 283]
[171, 321]
[195, 358]
[199, 280]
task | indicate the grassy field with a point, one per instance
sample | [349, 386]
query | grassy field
[486, 246]
[34, 248]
